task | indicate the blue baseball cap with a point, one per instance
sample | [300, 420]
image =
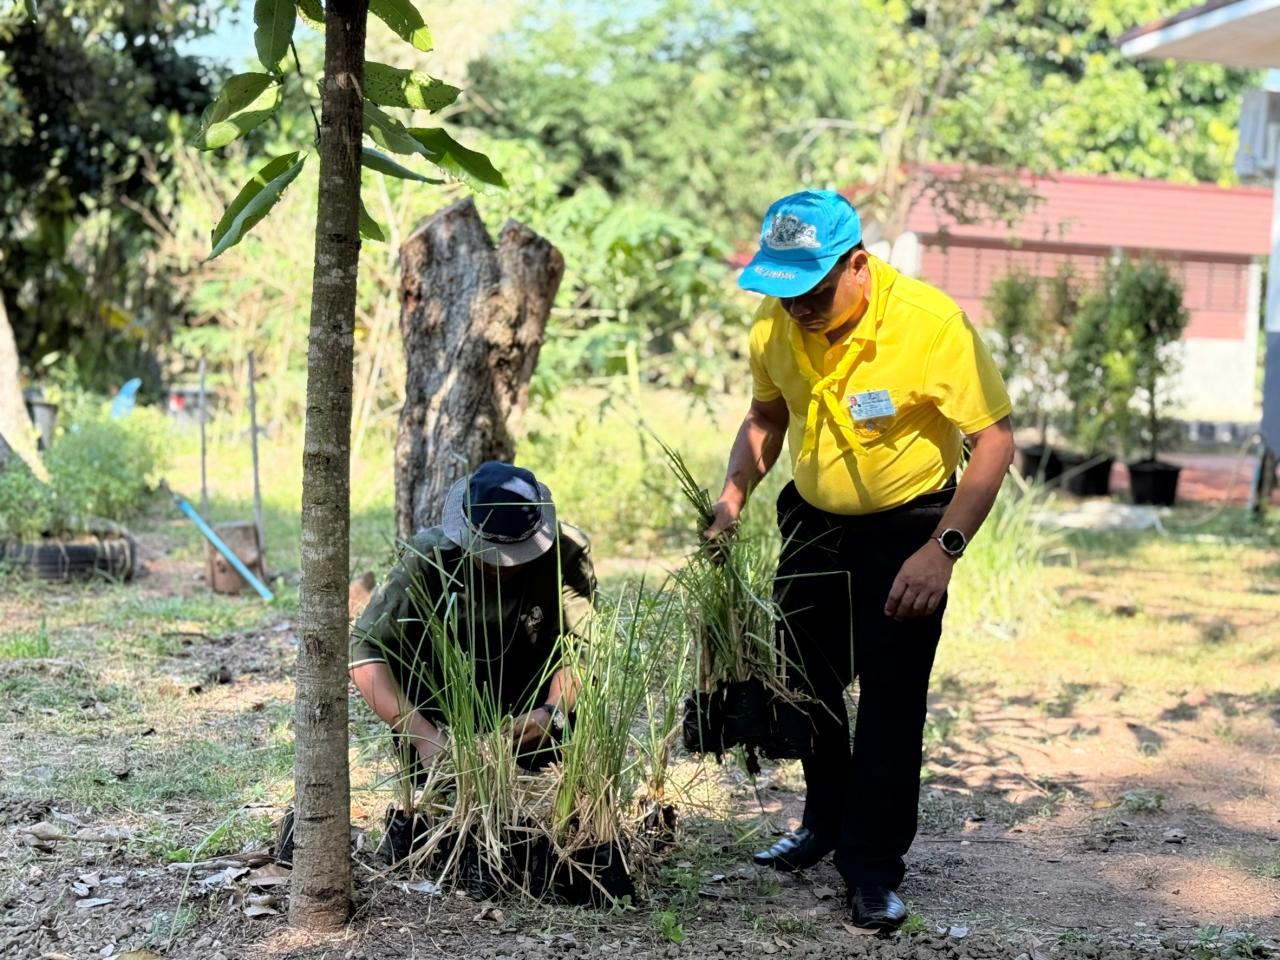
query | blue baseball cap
[802, 237]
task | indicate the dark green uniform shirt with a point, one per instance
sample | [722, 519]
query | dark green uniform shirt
[511, 626]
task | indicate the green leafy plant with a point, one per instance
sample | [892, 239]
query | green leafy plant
[248, 100]
[669, 926]
[1030, 317]
[1098, 383]
[99, 469]
[1148, 317]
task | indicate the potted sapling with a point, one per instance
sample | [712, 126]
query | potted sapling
[1150, 318]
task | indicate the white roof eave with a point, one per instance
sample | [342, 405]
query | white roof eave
[1241, 34]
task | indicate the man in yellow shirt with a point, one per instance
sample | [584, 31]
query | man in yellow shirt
[875, 380]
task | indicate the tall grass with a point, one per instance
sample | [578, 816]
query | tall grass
[727, 591]
[620, 742]
[477, 800]
[999, 586]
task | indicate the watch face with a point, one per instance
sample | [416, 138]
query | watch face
[952, 541]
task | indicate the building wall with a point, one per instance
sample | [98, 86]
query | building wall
[1218, 379]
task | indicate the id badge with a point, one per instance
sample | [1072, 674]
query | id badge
[871, 405]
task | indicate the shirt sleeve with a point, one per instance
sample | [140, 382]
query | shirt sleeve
[577, 581]
[762, 386]
[962, 379]
[377, 633]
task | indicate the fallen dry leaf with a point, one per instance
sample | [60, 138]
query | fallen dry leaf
[137, 955]
[824, 893]
[490, 913]
[45, 831]
[94, 902]
[260, 905]
[104, 835]
[271, 875]
[81, 889]
[857, 931]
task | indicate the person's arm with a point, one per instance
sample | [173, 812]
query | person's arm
[754, 452]
[375, 637]
[923, 579]
[379, 688]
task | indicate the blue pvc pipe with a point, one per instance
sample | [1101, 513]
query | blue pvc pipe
[222, 548]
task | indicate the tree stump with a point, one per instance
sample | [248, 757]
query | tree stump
[473, 318]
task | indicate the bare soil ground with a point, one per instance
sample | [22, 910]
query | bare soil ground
[1107, 784]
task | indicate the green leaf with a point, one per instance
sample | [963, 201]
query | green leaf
[255, 200]
[34, 14]
[312, 13]
[380, 162]
[394, 87]
[453, 158]
[370, 229]
[389, 133]
[404, 20]
[245, 101]
[275, 20]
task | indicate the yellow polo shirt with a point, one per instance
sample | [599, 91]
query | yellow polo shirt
[878, 418]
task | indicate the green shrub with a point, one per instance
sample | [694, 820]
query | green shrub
[26, 503]
[104, 468]
[99, 468]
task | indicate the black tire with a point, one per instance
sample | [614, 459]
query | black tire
[113, 558]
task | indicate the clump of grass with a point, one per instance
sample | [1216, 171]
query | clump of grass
[477, 801]
[26, 645]
[625, 722]
[727, 590]
[1000, 583]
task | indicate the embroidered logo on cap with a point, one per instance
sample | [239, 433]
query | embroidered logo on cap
[789, 232]
[774, 274]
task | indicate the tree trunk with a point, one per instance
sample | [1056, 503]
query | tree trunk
[320, 895]
[473, 319]
[16, 437]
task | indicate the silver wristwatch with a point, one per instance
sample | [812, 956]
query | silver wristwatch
[953, 542]
[558, 718]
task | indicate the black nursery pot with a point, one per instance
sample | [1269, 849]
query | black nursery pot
[702, 729]
[1154, 482]
[595, 877]
[1091, 481]
[790, 731]
[1040, 462]
[746, 713]
[401, 835]
[529, 860]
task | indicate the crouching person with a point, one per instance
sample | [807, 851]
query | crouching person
[510, 580]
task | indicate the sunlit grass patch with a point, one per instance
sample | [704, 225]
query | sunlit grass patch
[26, 645]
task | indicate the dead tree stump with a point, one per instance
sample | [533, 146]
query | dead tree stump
[473, 318]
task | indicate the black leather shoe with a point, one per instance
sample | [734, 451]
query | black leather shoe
[795, 851]
[877, 908]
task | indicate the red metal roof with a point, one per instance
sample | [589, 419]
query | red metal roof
[1111, 212]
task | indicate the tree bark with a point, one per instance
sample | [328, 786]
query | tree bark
[16, 437]
[473, 318]
[320, 894]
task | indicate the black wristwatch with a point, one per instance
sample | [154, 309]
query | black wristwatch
[558, 718]
[953, 542]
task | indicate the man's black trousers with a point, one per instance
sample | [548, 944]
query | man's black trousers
[834, 577]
